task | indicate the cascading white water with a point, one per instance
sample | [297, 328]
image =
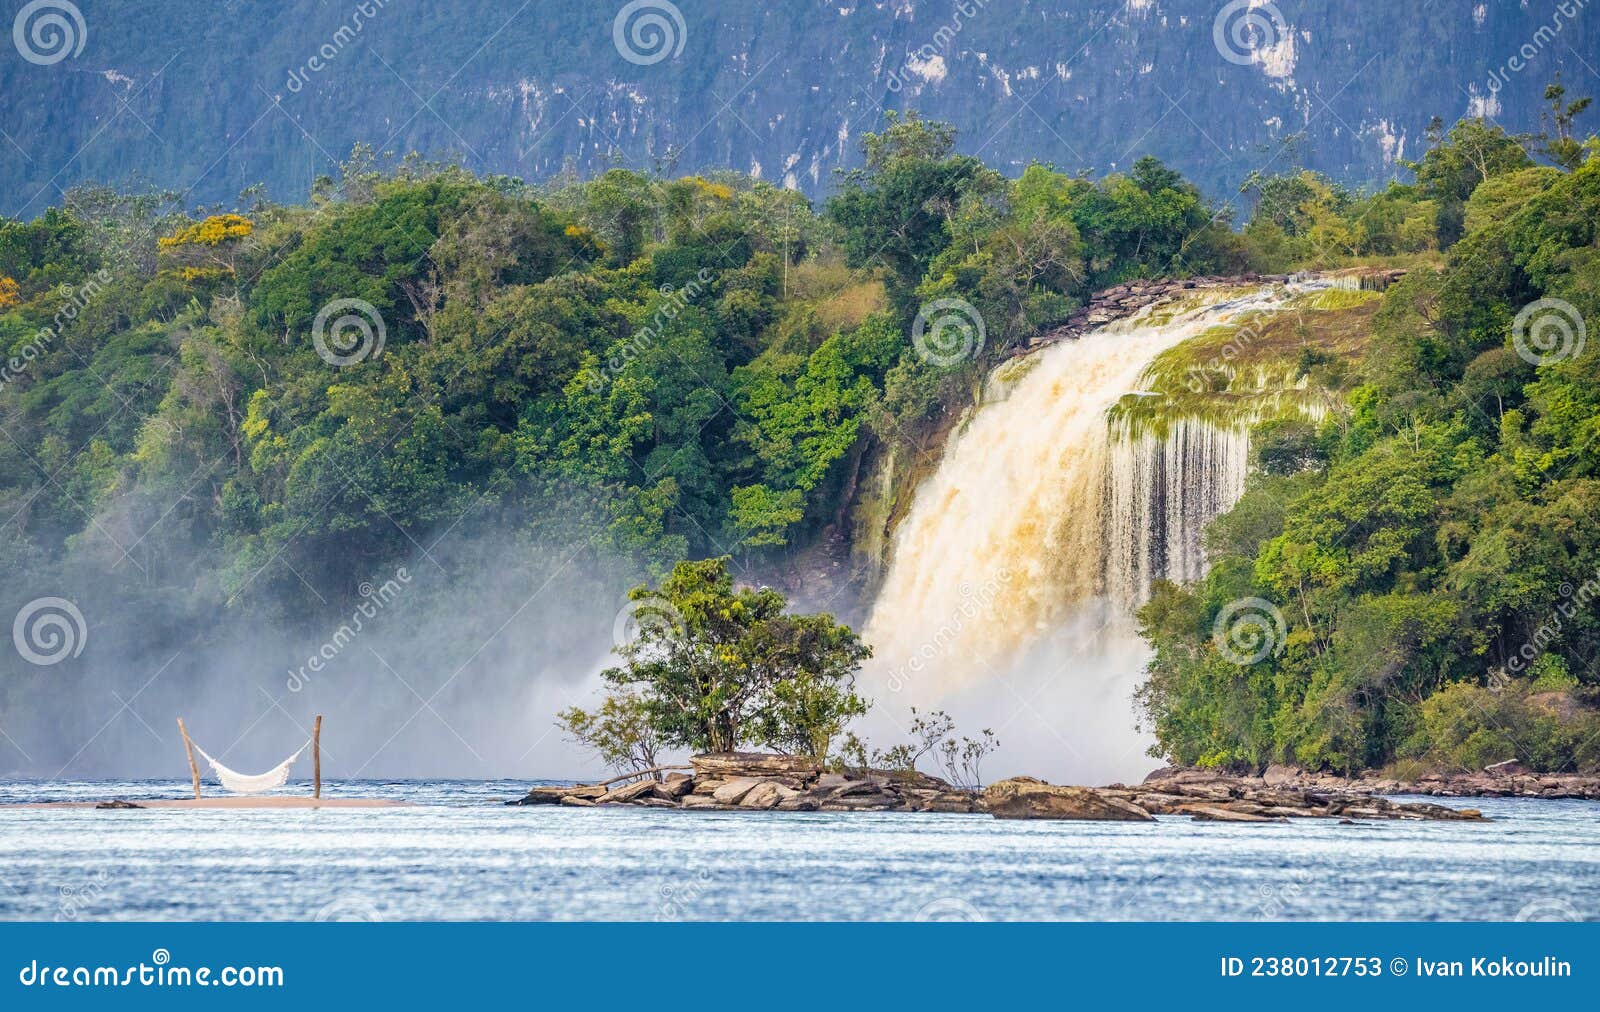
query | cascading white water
[1009, 595]
[1161, 491]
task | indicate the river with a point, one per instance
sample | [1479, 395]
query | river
[456, 853]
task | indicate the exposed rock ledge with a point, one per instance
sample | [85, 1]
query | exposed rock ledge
[735, 781]
[1122, 301]
[1502, 780]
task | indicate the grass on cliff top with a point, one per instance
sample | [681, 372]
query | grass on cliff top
[1294, 361]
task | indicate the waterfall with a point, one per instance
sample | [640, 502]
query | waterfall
[1009, 594]
[1160, 494]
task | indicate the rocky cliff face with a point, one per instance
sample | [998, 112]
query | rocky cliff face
[212, 98]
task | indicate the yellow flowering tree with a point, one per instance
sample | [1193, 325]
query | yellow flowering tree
[207, 248]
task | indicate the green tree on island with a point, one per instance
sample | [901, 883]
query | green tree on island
[715, 667]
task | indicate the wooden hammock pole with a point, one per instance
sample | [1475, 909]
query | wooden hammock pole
[188, 746]
[316, 757]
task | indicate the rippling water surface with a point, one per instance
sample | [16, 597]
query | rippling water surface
[458, 854]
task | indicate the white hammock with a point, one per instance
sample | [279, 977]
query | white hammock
[243, 783]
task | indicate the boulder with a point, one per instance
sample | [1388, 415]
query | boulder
[764, 794]
[624, 793]
[573, 801]
[674, 787]
[733, 791]
[955, 802]
[870, 785]
[1279, 776]
[699, 801]
[1028, 798]
[118, 805]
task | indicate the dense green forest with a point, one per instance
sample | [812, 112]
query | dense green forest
[1415, 581]
[266, 405]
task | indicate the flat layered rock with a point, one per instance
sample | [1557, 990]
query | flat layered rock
[1217, 813]
[1028, 798]
[555, 795]
[727, 765]
[629, 792]
[1502, 780]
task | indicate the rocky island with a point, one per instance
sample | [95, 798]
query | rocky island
[753, 781]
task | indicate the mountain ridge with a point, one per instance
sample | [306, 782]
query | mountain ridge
[1216, 90]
